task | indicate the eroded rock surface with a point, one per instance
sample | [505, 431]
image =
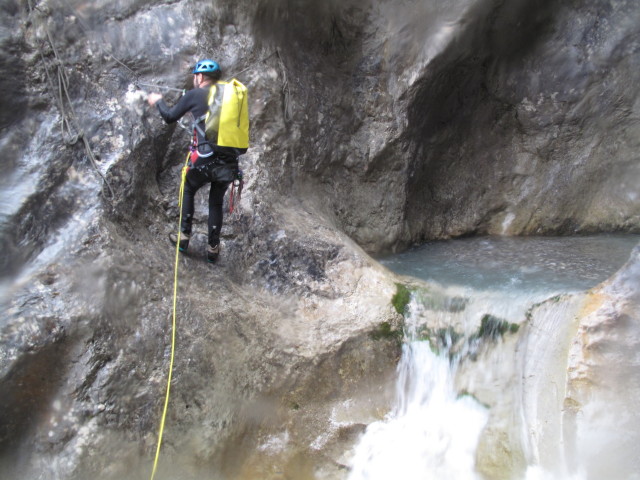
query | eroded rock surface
[375, 124]
[565, 406]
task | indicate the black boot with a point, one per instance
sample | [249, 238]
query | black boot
[212, 253]
[184, 240]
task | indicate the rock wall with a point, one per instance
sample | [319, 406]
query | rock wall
[531, 113]
[374, 125]
[272, 340]
[424, 121]
[600, 423]
[561, 391]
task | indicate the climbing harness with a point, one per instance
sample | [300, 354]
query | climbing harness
[185, 168]
[234, 198]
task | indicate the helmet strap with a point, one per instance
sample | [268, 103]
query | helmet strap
[203, 80]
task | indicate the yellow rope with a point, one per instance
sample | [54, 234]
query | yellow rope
[173, 323]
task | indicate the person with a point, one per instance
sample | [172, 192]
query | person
[207, 164]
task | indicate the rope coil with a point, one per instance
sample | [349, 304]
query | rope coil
[234, 198]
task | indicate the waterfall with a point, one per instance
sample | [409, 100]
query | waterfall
[434, 428]
[432, 432]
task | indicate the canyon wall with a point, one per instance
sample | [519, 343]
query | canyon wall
[375, 125]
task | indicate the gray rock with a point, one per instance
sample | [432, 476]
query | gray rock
[375, 125]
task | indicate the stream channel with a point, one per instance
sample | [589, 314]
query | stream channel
[433, 429]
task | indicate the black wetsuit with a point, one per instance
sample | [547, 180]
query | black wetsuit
[206, 165]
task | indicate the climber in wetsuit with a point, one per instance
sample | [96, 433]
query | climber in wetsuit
[206, 165]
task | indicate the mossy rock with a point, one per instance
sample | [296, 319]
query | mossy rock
[401, 298]
[385, 331]
[447, 337]
[439, 339]
[493, 327]
[456, 304]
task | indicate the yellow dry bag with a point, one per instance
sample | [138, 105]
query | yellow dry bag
[227, 121]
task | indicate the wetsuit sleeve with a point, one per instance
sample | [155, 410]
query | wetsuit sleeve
[173, 114]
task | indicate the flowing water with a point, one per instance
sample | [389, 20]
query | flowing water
[433, 431]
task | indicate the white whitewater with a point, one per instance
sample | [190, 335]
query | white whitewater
[432, 431]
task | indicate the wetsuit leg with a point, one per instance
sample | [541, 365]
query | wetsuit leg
[192, 184]
[216, 199]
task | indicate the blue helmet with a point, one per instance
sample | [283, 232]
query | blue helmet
[206, 66]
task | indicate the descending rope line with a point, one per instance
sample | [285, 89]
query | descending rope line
[173, 322]
[254, 64]
[285, 88]
[68, 122]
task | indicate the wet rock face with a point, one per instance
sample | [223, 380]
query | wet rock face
[401, 122]
[603, 378]
[566, 403]
[518, 132]
[380, 122]
[475, 117]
